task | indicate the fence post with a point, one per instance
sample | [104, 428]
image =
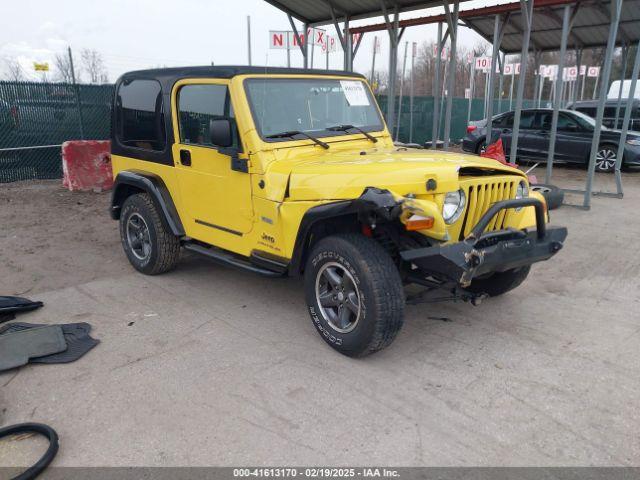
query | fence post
[77, 89]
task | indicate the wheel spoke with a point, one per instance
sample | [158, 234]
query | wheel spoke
[328, 299]
[344, 314]
[146, 248]
[331, 274]
[352, 303]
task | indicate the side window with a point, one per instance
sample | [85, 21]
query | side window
[543, 120]
[504, 121]
[526, 120]
[567, 123]
[140, 117]
[197, 106]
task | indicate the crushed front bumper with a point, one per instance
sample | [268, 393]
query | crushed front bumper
[482, 253]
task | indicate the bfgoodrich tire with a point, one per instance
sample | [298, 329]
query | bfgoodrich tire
[149, 246]
[499, 282]
[354, 294]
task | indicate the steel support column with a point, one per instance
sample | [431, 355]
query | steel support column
[394, 40]
[498, 30]
[302, 44]
[404, 70]
[472, 73]
[616, 7]
[452, 20]
[537, 57]
[501, 81]
[623, 73]
[627, 118]
[436, 91]
[526, 8]
[566, 28]
[579, 79]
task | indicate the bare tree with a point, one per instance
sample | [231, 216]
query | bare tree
[93, 65]
[15, 73]
[63, 72]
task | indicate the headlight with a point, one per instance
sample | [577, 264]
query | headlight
[634, 141]
[522, 192]
[453, 207]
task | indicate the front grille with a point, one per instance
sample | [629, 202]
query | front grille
[481, 195]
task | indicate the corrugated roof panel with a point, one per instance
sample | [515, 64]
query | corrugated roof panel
[591, 27]
[319, 12]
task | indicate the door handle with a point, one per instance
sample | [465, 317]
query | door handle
[185, 158]
[506, 130]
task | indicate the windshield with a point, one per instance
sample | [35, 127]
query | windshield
[310, 105]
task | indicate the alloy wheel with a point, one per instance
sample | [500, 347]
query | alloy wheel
[138, 237]
[606, 159]
[338, 297]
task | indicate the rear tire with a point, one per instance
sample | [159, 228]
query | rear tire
[150, 247]
[354, 294]
[499, 282]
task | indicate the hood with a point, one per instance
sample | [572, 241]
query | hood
[337, 175]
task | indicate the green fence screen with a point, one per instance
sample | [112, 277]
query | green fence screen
[36, 118]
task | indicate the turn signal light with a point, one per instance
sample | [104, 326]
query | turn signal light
[471, 128]
[418, 222]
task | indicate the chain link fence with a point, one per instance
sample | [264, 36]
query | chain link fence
[36, 118]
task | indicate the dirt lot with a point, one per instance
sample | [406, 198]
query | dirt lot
[211, 366]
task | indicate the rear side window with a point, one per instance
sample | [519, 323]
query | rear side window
[197, 106]
[140, 117]
[526, 119]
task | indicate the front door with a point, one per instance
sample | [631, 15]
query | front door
[216, 198]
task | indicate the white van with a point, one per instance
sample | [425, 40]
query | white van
[614, 90]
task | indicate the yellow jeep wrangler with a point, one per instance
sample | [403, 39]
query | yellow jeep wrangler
[293, 172]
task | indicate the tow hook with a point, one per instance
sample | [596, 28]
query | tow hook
[474, 258]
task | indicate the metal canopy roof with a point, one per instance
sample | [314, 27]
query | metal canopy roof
[590, 27]
[318, 12]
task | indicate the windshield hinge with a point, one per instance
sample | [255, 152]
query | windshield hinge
[237, 164]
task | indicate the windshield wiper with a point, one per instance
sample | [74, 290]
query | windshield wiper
[344, 128]
[292, 133]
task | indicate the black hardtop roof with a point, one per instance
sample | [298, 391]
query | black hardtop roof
[168, 76]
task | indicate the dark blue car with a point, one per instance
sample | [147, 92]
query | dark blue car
[573, 144]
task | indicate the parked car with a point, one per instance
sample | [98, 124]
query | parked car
[573, 140]
[590, 108]
[285, 172]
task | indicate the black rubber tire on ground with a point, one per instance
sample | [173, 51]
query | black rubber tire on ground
[552, 194]
[606, 157]
[499, 282]
[163, 247]
[378, 287]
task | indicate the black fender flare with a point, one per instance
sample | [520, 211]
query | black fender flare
[375, 205]
[157, 190]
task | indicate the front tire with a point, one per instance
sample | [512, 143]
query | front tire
[148, 244]
[354, 294]
[606, 158]
[500, 282]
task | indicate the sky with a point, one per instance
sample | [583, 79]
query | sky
[137, 34]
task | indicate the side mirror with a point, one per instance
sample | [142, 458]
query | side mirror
[220, 131]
